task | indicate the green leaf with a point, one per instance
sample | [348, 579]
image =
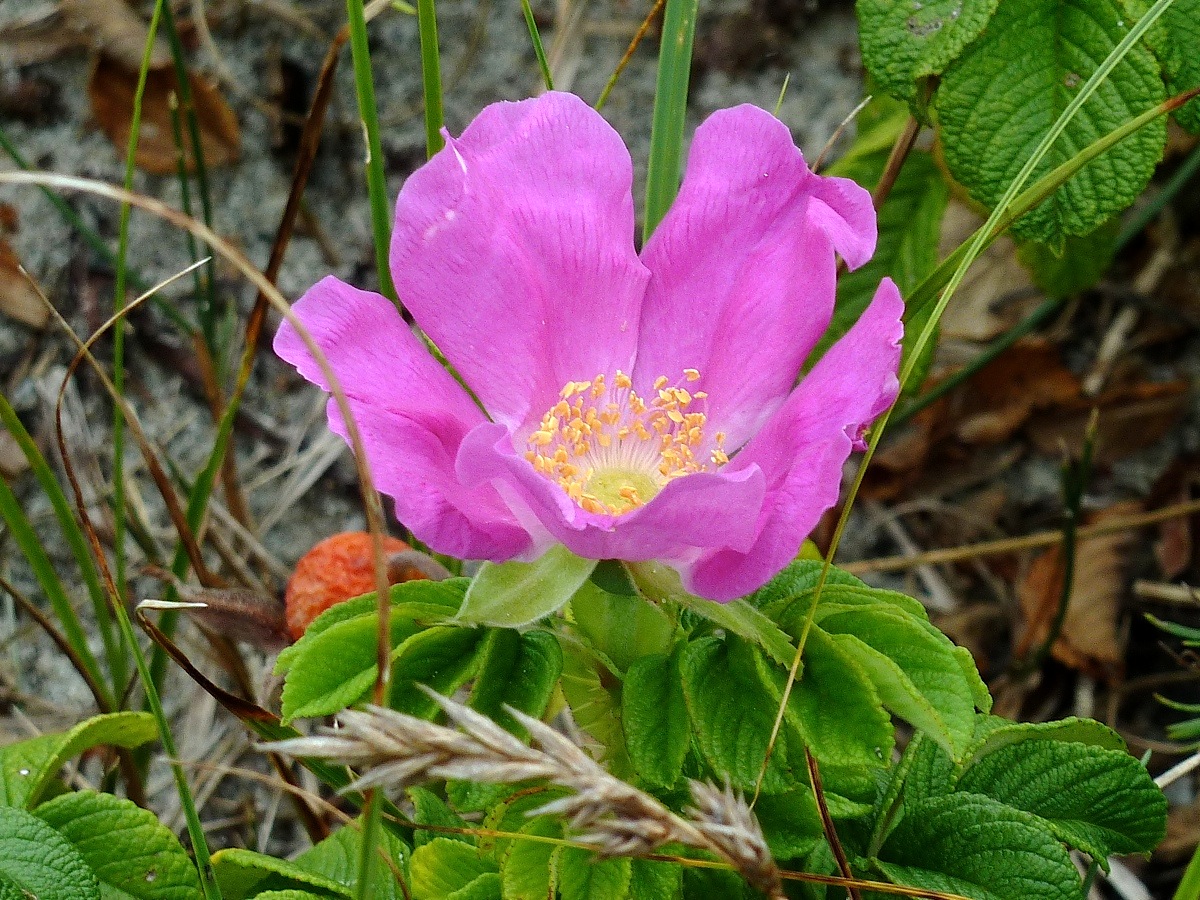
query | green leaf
[732, 714]
[655, 717]
[529, 869]
[337, 666]
[584, 876]
[442, 867]
[1080, 265]
[518, 670]
[974, 846]
[242, 874]
[512, 594]
[430, 809]
[909, 230]
[916, 673]
[790, 823]
[622, 627]
[27, 768]
[442, 658]
[131, 853]
[740, 618]
[290, 894]
[593, 692]
[36, 861]
[1003, 95]
[801, 577]
[905, 42]
[1099, 801]
[651, 879]
[993, 733]
[486, 887]
[426, 602]
[860, 735]
[1174, 39]
[338, 857]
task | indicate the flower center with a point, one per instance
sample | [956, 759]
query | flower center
[612, 450]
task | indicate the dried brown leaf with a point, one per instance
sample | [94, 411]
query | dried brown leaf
[113, 28]
[111, 89]
[19, 298]
[1090, 640]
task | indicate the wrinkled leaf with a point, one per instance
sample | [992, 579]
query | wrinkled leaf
[518, 670]
[442, 867]
[584, 876]
[512, 594]
[38, 862]
[655, 717]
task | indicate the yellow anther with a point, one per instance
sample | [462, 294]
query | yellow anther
[622, 381]
[691, 374]
[660, 382]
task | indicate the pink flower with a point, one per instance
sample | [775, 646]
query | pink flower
[633, 408]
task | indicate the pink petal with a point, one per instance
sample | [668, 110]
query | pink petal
[743, 268]
[411, 415]
[513, 249]
[802, 449]
[693, 513]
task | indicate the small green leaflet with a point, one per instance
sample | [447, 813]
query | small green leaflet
[27, 768]
[655, 716]
[37, 861]
[132, 854]
[242, 874]
[621, 626]
[517, 670]
[443, 867]
[443, 658]
[513, 594]
[999, 99]
[584, 876]
[339, 856]
[529, 869]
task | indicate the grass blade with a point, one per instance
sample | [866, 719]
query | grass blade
[431, 76]
[538, 50]
[670, 111]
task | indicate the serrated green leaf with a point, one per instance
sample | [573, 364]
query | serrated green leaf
[336, 667]
[290, 894]
[26, 768]
[732, 714]
[513, 594]
[909, 230]
[651, 879]
[339, 856]
[442, 866]
[655, 718]
[999, 99]
[800, 577]
[747, 622]
[623, 628]
[1081, 264]
[975, 682]
[593, 692]
[529, 869]
[426, 602]
[860, 736]
[904, 42]
[917, 674]
[486, 887]
[518, 670]
[716, 883]
[974, 846]
[993, 733]
[242, 874]
[38, 862]
[443, 658]
[1174, 39]
[1099, 801]
[131, 853]
[790, 823]
[584, 876]
[430, 809]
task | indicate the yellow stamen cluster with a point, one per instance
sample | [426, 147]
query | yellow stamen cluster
[611, 450]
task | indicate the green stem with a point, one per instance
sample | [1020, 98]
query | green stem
[376, 182]
[538, 50]
[670, 111]
[431, 76]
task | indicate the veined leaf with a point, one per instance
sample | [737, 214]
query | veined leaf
[37, 861]
[442, 658]
[584, 876]
[1174, 39]
[518, 670]
[594, 694]
[132, 854]
[430, 809]
[993, 733]
[622, 627]
[999, 99]
[442, 867]
[242, 874]
[26, 768]
[655, 717]
[1099, 801]
[338, 857]
[512, 594]
[977, 847]
[529, 869]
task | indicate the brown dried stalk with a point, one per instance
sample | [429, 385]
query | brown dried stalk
[613, 817]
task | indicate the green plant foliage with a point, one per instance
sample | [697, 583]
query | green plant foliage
[623, 627]
[655, 717]
[790, 823]
[512, 594]
[443, 658]
[338, 856]
[517, 670]
[430, 809]
[37, 861]
[242, 874]
[593, 691]
[974, 846]
[583, 876]
[1081, 264]
[442, 868]
[998, 100]
[905, 43]
[1099, 801]
[529, 869]
[1174, 39]
[131, 853]
[28, 768]
[651, 878]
